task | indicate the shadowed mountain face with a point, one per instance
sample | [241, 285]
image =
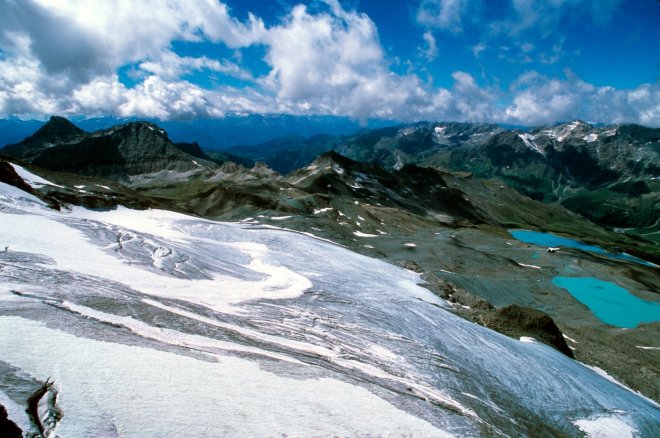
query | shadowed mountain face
[56, 131]
[118, 153]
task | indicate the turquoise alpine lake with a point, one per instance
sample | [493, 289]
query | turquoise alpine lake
[611, 303]
[552, 240]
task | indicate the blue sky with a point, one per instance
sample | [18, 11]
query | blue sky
[521, 62]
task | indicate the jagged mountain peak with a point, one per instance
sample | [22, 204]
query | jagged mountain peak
[140, 128]
[120, 152]
[58, 125]
[333, 161]
[333, 156]
[576, 129]
[56, 131]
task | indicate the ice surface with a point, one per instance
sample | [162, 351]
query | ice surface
[528, 139]
[361, 234]
[11, 193]
[154, 323]
[110, 389]
[15, 412]
[33, 180]
[72, 251]
[606, 427]
[322, 210]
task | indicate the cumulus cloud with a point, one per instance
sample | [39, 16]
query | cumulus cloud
[155, 97]
[86, 38]
[169, 65]
[66, 49]
[64, 57]
[539, 100]
[316, 59]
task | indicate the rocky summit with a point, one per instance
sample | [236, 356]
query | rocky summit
[120, 152]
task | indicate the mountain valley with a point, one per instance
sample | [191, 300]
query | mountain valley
[436, 202]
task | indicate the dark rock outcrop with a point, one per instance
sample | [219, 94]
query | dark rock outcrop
[117, 153]
[136, 148]
[9, 176]
[192, 149]
[8, 428]
[516, 321]
[57, 130]
[513, 321]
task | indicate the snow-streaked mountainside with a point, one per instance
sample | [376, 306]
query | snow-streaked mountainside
[609, 174]
[153, 323]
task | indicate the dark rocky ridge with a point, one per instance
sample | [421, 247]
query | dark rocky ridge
[56, 131]
[117, 153]
[133, 149]
[192, 149]
[516, 321]
[9, 176]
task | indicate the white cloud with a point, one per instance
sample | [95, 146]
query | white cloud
[325, 62]
[171, 66]
[442, 14]
[332, 62]
[477, 49]
[64, 56]
[473, 103]
[155, 97]
[86, 38]
[431, 51]
[538, 100]
[545, 16]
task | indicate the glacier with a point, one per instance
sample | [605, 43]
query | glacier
[154, 323]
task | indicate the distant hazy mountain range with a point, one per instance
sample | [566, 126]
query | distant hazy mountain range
[211, 133]
[610, 174]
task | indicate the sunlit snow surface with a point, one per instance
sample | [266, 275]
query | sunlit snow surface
[152, 323]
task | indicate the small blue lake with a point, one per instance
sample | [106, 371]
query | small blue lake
[549, 239]
[610, 303]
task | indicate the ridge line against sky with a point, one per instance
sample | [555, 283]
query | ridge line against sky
[522, 62]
